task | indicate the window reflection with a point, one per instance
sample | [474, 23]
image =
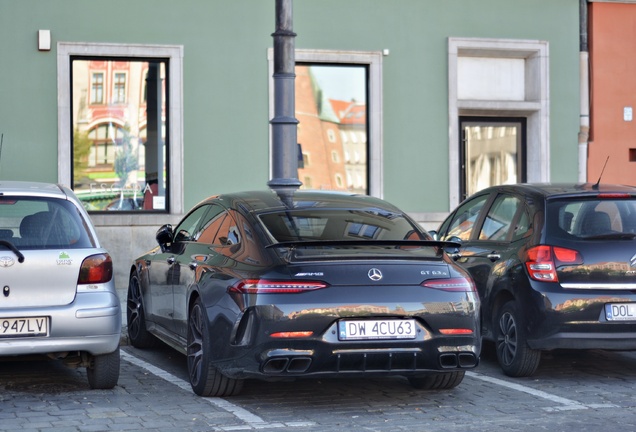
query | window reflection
[332, 112]
[493, 154]
[119, 142]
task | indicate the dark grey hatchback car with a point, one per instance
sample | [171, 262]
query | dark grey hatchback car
[323, 285]
[554, 265]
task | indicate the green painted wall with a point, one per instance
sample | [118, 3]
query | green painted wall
[226, 79]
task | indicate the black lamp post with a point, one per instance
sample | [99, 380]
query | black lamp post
[284, 124]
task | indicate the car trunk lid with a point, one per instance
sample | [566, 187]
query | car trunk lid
[45, 277]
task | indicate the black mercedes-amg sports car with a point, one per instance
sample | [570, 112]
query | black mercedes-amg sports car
[324, 284]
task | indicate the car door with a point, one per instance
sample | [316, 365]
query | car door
[165, 272]
[489, 247]
[197, 258]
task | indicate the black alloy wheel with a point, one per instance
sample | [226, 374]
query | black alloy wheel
[514, 355]
[205, 379]
[138, 334]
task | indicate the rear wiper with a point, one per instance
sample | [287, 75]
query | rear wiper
[345, 243]
[612, 236]
[14, 249]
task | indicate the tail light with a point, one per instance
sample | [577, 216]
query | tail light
[543, 260]
[96, 269]
[453, 284]
[263, 286]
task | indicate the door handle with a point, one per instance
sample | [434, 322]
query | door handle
[493, 256]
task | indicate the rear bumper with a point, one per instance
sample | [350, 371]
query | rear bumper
[576, 319]
[586, 340]
[92, 323]
[319, 359]
[95, 345]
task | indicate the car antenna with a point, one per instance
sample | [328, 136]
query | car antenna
[599, 177]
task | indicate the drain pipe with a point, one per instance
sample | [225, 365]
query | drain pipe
[284, 124]
[584, 68]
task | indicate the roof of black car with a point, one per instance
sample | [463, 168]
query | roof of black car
[267, 200]
[566, 189]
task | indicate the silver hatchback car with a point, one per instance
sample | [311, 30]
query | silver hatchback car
[58, 293]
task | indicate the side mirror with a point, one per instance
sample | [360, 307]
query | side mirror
[164, 237]
[433, 234]
[453, 250]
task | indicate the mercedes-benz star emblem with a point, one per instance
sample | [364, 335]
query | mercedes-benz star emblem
[375, 274]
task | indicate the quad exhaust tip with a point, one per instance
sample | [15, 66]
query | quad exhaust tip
[294, 365]
[458, 360]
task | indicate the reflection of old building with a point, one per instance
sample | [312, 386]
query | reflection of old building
[332, 136]
[110, 123]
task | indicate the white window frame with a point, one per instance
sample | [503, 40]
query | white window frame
[534, 106]
[371, 59]
[174, 54]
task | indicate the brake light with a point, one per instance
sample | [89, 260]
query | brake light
[96, 269]
[263, 286]
[567, 256]
[540, 264]
[453, 284]
[613, 195]
[542, 260]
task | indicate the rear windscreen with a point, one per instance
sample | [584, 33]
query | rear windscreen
[341, 225]
[42, 223]
[363, 224]
[591, 218]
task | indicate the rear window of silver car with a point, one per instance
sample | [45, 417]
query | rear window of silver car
[42, 223]
[592, 218]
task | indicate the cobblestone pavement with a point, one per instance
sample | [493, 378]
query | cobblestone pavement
[582, 391]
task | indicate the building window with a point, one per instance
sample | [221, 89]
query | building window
[97, 88]
[126, 155]
[499, 79]
[492, 152]
[331, 135]
[336, 92]
[119, 88]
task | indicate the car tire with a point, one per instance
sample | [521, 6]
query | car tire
[514, 355]
[438, 381]
[103, 370]
[138, 333]
[205, 379]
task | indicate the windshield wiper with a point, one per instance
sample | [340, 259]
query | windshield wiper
[14, 249]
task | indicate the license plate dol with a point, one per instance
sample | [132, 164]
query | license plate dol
[376, 329]
[620, 311]
[33, 326]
